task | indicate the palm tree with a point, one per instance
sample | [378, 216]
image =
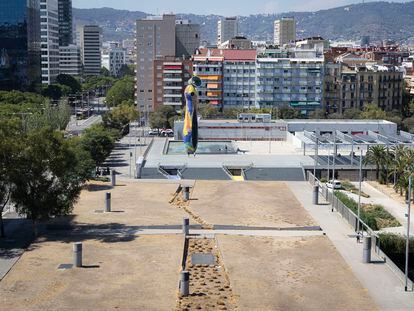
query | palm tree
[376, 155]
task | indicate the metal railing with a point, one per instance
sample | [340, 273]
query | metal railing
[352, 220]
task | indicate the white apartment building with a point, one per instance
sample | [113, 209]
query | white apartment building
[284, 79]
[49, 30]
[227, 29]
[70, 60]
[284, 31]
[90, 39]
[113, 60]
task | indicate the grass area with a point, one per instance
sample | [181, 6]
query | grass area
[393, 245]
[375, 216]
[348, 186]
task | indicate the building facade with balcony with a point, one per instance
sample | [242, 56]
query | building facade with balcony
[354, 87]
[285, 80]
[209, 67]
[171, 77]
[113, 60]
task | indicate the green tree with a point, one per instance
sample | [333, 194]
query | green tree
[127, 70]
[10, 133]
[69, 81]
[123, 90]
[317, 114]
[352, 113]
[120, 116]
[373, 112]
[98, 142]
[56, 91]
[408, 124]
[162, 116]
[50, 176]
[286, 112]
[376, 155]
[208, 111]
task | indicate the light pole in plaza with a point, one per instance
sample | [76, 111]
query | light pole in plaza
[359, 193]
[407, 241]
[316, 160]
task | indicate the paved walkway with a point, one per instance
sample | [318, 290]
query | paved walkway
[383, 285]
[395, 208]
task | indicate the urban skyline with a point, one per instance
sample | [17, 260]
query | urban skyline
[216, 7]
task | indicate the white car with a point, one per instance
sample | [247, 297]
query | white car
[334, 184]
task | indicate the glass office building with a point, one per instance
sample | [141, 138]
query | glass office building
[20, 46]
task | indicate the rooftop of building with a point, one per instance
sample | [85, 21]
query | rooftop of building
[228, 54]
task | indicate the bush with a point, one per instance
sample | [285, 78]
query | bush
[375, 216]
[393, 245]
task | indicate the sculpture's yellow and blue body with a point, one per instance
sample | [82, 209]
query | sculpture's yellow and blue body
[190, 131]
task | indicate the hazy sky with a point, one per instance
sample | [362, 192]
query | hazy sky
[221, 7]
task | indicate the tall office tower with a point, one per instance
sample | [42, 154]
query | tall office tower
[187, 38]
[285, 31]
[90, 39]
[155, 37]
[20, 45]
[49, 32]
[227, 29]
[65, 22]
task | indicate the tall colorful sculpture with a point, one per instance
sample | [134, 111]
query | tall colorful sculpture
[190, 131]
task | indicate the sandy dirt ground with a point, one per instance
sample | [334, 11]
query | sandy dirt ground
[136, 275]
[138, 204]
[389, 191]
[290, 274]
[267, 204]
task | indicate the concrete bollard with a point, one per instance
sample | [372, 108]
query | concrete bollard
[315, 197]
[113, 178]
[107, 202]
[185, 283]
[186, 194]
[186, 226]
[77, 254]
[366, 256]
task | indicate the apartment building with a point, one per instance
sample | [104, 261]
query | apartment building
[284, 31]
[155, 37]
[90, 39]
[187, 38]
[209, 67]
[70, 60]
[171, 77]
[227, 29]
[113, 59]
[49, 33]
[239, 78]
[283, 79]
[357, 86]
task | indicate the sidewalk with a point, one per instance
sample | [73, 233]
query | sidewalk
[18, 236]
[382, 284]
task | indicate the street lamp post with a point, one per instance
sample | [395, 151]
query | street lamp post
[315, 161]
[407, 242]
[359, 193]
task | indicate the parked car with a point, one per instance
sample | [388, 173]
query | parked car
[334, 184]
[154, 132]
[167, 132]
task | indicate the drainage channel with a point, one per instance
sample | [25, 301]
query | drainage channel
[209, 285]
